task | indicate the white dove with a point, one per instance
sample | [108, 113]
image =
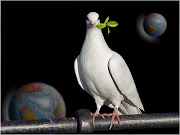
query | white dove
[105, 75]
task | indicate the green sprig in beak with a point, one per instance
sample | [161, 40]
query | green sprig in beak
[108, 24]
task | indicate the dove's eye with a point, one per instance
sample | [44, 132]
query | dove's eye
[88, 19]
[98, 19]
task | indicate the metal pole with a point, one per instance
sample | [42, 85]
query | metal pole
[140, 121]
[64, 125]
[82, 123]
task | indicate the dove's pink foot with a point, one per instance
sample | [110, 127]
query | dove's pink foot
[97, 114]
[113, 115]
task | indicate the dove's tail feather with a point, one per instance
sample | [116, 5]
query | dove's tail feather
[137, 111]
[130, 109]
[119, 113]
[126, 109]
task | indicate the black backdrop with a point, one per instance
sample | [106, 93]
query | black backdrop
[40, 41]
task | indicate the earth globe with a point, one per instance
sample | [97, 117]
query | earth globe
[36, 101]
[154, 24]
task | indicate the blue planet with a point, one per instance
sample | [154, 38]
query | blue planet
[155, 24]
[36, 101]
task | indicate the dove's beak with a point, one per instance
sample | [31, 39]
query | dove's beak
[93, 24]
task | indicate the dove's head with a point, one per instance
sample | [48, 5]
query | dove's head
[92, 20]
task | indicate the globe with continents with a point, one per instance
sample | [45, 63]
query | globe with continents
[154, 24]
[36, 101]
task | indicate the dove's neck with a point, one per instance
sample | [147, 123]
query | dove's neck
[95, 42]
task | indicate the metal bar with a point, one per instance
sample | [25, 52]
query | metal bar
[64, 125]
[139, 121]
[82, 123]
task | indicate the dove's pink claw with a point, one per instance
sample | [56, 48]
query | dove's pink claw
[113, 115]
[97, 114]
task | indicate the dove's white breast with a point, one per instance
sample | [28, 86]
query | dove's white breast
[94, 58]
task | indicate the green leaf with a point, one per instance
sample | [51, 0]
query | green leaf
[101, 26]
[108, 30]
[112, 24]
[107, 19]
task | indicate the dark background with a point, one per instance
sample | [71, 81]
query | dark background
[40, 41]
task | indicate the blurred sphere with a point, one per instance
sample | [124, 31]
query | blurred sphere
[155, 24]
[36, 101]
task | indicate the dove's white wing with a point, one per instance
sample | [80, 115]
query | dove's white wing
[123, 80]
[76, 68]
[79, 77]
